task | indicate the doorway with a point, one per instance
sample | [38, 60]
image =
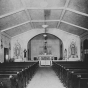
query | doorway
[6, 54]
[85, 48]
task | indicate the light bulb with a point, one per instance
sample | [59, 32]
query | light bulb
[44, 26]
[44, 35]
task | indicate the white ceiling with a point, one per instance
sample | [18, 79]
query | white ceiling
[18, 16]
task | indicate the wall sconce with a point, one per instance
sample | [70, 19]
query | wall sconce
[1, 44]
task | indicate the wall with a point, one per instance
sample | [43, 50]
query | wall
[66, 38]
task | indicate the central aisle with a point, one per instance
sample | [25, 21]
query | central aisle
[45, 77]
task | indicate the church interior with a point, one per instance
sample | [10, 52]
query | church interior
[43, 44]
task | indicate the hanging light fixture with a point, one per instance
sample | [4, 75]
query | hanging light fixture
[45, 38]
[44, 35]
[45, 27]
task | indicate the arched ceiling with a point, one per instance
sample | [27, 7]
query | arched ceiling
[18, 16]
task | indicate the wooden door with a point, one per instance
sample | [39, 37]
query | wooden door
[6, 52]
[85, 47]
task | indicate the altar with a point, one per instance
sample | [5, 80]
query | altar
[45, 56]
[45, 60]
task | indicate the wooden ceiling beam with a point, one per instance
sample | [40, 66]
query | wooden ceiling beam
[11, 13]
[34, 8]
[15, 26]
[44, 21]
[78, 12]
[63, 12]
[27, 13]
[74, 25]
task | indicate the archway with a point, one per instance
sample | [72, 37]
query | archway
[36, 46]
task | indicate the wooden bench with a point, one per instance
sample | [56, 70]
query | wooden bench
[16, 75]
[72, 74]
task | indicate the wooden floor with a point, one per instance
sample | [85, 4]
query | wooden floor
[45, 77]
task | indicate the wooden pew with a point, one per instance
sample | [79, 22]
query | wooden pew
[73, 78]
[9, 81]
[69, 73]
[16, 72]
[9, 74]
